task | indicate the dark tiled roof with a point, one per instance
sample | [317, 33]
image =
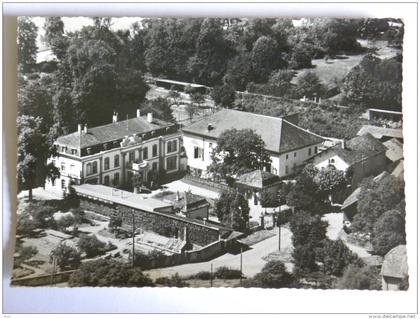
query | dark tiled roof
[380, 132]
[279, 135]
[111, 132]
[356, 149]
[395, 263]
[258, 179]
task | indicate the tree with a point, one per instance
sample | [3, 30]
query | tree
[115, 222]
[270, 198]
[25, 224]
[26, 44]
[160, 108]
[66, 257]
[330, 180]
[91, 245]
[375, 198]
[232, 209]
[175, 96]
[223, 95]
[304, 257]
[388, 232]
[191, 110]
[238, 152]
[308, 229]
[335, 256]
[375, 82]
[273, 275]
[301, 57]
[309, 85]
[24, 253]
[197, 98]
[239, 71]
[65, 221]
[54, 36]
[356, 277]
[33, 151]
[265, 58]
[104, 273]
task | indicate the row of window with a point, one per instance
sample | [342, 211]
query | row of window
[309, 152]
[116, 180]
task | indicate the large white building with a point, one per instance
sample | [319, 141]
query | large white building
[289, 145]
[111, 154]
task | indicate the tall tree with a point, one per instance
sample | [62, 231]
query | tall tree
[309, 85]
[223, 95]
[232, 210]
[27, 33]
[33, 151]
[237, 152]
[55, 37]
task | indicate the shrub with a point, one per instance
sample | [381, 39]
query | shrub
[91, 245]
[227, 273]
[24, 253]
[173, 281]
[203, 275]
[67, 257]
[356, 277]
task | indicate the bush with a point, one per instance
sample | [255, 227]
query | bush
[356, 277]
[173, 281]
[91, 245]
[273, 275]
[227, 273]
[203, 275]
[66, 257]
[24, 253]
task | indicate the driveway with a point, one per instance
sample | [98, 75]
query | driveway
[252, 261]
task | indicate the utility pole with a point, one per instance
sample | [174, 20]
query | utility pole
[279, 224]
[134, 228]
[54, 264]
[211, 275]
[240, 278]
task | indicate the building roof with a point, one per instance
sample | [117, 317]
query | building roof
[114, 195]
[394, 150]
[395, 263]
[356, 149]
[279, 135]
[398, 171]
[258, 179]
[380, 132]
[179, 199]
[354, 197]
[111, 132]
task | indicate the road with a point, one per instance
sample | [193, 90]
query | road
[252, 261]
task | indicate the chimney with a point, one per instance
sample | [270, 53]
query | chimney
[138, 113]
[150, 117]
[85, 128]
[115, 117]
[343, 144]
[185, 203]
[79, 128]
[209, 127]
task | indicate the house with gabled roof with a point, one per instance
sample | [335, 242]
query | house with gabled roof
[289, 145]
[394, 270]
[114, 153]
[361, 156]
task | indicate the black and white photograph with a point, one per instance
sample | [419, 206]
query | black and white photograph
[211, 152]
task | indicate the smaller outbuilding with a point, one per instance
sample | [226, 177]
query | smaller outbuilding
[394, 270]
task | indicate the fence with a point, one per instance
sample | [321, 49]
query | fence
[43, 280]
[206, 182]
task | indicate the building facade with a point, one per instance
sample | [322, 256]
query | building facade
[113, 154]
[289, 145]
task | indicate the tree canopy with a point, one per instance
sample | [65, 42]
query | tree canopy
[237, 152]
[232, 210]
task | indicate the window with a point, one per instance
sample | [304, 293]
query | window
[287, 156]
[294, 155]
[116, 161]
[331, 161]
[63, 166]
[63, 184]
[154, 150]
[198, 152]
[73, 151]
[145, 153]
[63, 149]
[131, 156]
[88, 168]
[106, 180]
[94, 167]
[106, 163]
[287, 169]
[171, 163]
[155, 166]
[172, 146]
[309, 151]
[316, 150]
[88, 150]
[116, 178]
